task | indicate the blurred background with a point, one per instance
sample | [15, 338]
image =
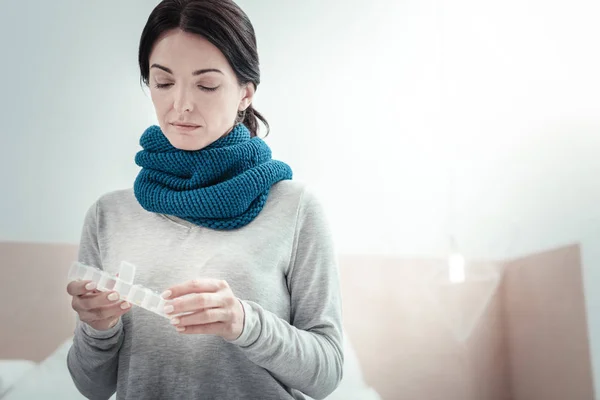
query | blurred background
[439, 134]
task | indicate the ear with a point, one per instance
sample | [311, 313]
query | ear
[247, 94]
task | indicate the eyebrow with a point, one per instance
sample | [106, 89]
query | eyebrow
[195, 73]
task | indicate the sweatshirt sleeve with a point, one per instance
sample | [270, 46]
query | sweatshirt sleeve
[93, 357]
[305, 354]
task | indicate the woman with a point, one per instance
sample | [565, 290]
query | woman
[218, 225]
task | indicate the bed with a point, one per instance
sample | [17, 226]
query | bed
[50, 379]
[405, 328]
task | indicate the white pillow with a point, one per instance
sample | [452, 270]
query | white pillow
[49, 380]
[11, 371]
[353, 385]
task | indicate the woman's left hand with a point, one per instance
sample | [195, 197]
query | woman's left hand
[212, 306]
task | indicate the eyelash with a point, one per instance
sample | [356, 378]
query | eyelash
[204, 88]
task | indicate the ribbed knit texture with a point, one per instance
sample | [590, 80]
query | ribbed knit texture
[223, 186]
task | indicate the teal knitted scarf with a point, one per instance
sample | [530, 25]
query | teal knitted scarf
[223, 186]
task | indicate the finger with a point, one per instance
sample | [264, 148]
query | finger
[78, 288]
[195, 302]
[91, 301]
[204, 317]
[195, 286]
[208, 329]
[91, 293]
[107, 312]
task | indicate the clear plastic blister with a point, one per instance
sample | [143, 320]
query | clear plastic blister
[122, 284]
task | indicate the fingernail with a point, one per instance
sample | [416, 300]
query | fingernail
[166, 294]
[90, 286]
[125, 306]
[169, 309]
[175, 321]
[113, 296]
[180, 329]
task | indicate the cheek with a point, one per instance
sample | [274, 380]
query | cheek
[217, 106]
[161, 101]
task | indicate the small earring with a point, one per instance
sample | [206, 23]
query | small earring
[240, 116]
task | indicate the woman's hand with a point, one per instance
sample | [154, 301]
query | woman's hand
[100, 310]
[212, 307]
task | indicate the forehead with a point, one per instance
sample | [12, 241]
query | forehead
[184, 52]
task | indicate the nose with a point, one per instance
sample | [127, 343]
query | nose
[183, 101]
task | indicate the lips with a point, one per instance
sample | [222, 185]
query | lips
[185, 128]
[184, 125]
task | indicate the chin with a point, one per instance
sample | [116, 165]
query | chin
[186, 143]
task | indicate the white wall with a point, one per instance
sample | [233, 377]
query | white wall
[70, 100]
[378, 104]
[413, 118]
[392, 98]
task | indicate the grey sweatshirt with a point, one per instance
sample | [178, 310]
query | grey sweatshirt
[283, 268]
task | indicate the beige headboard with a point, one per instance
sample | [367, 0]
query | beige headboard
[38, 316]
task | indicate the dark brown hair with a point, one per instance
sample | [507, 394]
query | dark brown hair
[221, 22]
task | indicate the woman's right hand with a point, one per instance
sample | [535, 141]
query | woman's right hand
[100, 310]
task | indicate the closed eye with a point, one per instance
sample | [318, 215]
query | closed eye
[204, 88]
[208, 89]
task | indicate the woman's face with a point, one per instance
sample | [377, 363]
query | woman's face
[194, 90]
